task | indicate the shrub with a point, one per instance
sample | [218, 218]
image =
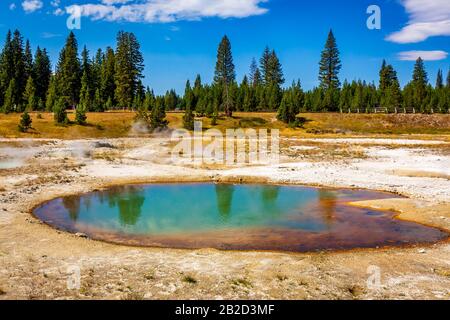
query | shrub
[59, 111]
[80, 115]
[25, 122]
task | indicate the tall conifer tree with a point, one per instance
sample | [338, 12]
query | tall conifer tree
[41, 73]
[128, 68]
[420, 82]
[330, 64]
[68, 72]
[439, 80]
[224, 73]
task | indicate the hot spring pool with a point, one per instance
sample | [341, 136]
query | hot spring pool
[239, 217]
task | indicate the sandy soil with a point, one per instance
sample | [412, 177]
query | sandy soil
[37, 262]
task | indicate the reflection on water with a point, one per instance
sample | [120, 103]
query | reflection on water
[269, 195]
[327, 203]
[72, 205]
[129, 202]
[229, 216]
[224, 193]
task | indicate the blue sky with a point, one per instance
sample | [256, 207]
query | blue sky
[179, 38]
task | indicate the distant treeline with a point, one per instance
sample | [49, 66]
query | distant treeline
[112, 79]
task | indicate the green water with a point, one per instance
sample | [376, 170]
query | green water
[230, 216]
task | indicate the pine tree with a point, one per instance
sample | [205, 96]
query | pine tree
[85, 93]
[41, 73]
[202, 100]
[262, 97]
[97, 102]
[382, 84]
[274, 96]
[272, 73]
[96, 70]
[330, 100]
[6, 66]
[345, 97]
[298, 96]
[137, 102]
[265, 66]
[171, 100]
[433, 104]
[390, 92]
[224, 73]
[149, 100]
[358, 100]
[52, 94]
[387, 76]
[107, 82]
[80, 114]
[208, 100]
[255, 74]
[330, 64]
[448, 79]
[408, 96]
[307, 105]
[68, 71]
[197, 90]
[87, 72]
[9, 104]
[248, 101]
[188, 118]
[109, 104]
[420, 81]
[393, 98]
[233, 94]
[25, 122]
[158, 115]
[276, 71]
[29, 96]
[444, 101]
[59, 111]
[439, 80]
[28, 60]
[128, 68]
[289, 106]
[243, 90]
[283, 111]
[20, 75]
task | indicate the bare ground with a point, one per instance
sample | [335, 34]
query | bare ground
[36, 261]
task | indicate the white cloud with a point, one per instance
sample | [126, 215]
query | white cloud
[425, 55]
[49, 35]
[12, 6]
[32, 5]
[427, 18]
[58, 12]
[167, 10]
[115, 1]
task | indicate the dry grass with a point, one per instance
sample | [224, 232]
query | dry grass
[420, 174]
[241, 282]
[380, 123]
[189, 279]
[119, 124]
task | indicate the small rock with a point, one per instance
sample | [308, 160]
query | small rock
[81, 235]
[422, 251]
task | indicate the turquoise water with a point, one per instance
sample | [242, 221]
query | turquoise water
[230, 216]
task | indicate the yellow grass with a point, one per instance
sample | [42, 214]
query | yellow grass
[119, 124]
